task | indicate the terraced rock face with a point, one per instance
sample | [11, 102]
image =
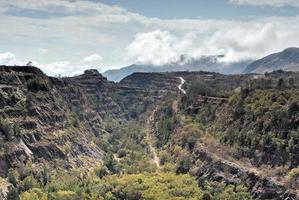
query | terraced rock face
[45, 118]
[152, 81]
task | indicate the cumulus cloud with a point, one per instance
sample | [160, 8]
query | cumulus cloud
[243, 43]
[237, 40]
[92, 58]
[70, 68]
[158, 47]
[59, 67]
[274, 3]
[64, 68]
[7, 58]
[156, 41]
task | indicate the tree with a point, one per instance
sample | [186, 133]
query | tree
[12, 176]
[28, 183]
[13, 194]
[111, 164]
[6, 130]
[33, 194]
[101, 172]
[65, 195]
[184, 166]
[293, 177]
[281, 83]
[293, 108]
[291, 82]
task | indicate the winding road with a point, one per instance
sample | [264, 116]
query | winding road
[181, 85]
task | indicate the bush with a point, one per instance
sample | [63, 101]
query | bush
[184, 165]
[65, 195]
[160, 186]
[164, 157]
[13, 194]
[33, 194]
[122, 153]
[37, 84]
[28, 183]
[101, 171]
[12, 176]
[6, 129]
[293, 177]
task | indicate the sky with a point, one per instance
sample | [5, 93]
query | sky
[68, 36]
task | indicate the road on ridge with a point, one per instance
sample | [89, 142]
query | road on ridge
[181, 85]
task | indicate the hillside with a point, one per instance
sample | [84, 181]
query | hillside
[286, 60]
[176, 135]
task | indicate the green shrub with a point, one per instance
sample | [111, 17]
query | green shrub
[121, 153]
[37, 84]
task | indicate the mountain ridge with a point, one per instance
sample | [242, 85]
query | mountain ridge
[287, 60]
[204, 63]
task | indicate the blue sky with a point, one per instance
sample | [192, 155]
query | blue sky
[216, 9]
[66, 37]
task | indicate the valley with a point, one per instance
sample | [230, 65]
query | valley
[149, 100]
[167, 135]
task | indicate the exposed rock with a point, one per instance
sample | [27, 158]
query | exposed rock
[231, 173]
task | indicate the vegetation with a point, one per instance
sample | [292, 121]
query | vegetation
[260, 114]
[167, 122]
[267, 121]
[147, 186]
[221, 119]
[37, 84]
[293, 177]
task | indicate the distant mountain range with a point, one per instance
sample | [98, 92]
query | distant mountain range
[287, 60]
[204, 63]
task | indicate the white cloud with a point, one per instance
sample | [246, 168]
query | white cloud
[92, 58]
[59, 67]
[237, 40]
[83, 26]
[64, 68]
[159, 47]
[7, 58]
[244, 42]
[274, 3]
[42, 51]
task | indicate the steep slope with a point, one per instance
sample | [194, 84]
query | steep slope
[45, 118]
[287, 60]
[238, 129]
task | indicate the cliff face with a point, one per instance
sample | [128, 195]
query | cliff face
[152, 81]
[45, 118]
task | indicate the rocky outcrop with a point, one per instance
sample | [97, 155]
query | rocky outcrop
[5, 187]
[221, 170]
[39, 114]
